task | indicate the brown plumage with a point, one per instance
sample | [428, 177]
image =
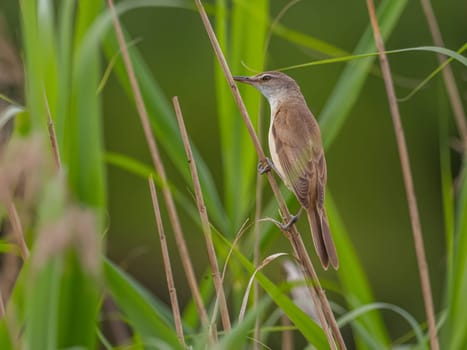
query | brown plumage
[297, 153]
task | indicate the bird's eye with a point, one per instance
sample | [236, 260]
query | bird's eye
[266, 78]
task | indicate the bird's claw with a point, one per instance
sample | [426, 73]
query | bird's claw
[264, 166]
[293, 219]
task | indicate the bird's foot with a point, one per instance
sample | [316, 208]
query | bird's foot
[265, 165]
[281, 225]
[293, 219]
[284, 226]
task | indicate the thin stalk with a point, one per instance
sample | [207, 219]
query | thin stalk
[287, 334]
[204, 219]
[2, 306]
[448, 76]
[257, 251]
[167, 264]
[52, 135]
[408, 180]
[324, 310]
[158, 165]
[18, 230]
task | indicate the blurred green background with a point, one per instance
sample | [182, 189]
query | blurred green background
[364, 174]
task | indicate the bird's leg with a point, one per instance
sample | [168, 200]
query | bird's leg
[293, 219]
[265, 165]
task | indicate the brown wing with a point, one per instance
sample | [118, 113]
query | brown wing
[298, 147]
[300, 153]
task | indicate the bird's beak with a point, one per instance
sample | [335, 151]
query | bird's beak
[247, 80]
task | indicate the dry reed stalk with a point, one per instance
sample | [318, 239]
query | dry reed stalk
[167, 265]
[158, 165]
[287, 335]
[408, 180]
[52, 135]
[204, 219]
[2, 306]
[448, 76]
[257, 251]
[324, 310]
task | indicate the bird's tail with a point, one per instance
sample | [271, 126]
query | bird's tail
[322, 238]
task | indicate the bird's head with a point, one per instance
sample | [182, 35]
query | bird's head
[271, 84]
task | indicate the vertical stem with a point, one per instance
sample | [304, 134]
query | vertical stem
[2, 306]
[18, 230]
[204, 219]
[257, 236]
[287, 335]
[448, 76]
[257, 257]
[52, 135]
[167, 265]
[408, 180]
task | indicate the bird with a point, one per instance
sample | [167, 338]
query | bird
[297, 154]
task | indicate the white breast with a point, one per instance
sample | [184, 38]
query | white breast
[272, 151]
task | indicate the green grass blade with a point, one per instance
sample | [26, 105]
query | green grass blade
[447, 186]
[6, 247]
[43, 299]
[229, 129]
[305, 325]
[33, 65]
[48, 54]
[238, 337]
[351, 81]
[144, 315]
[449, 53]
[83, 130]
[80, 297]
[430, 76]
[308, 41]
[362, 310]
[65, 44]
[244, 43]
[129, 164]
[455, 333]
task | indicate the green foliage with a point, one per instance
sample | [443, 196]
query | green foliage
[454, 333]
[148, 318]
[67, 280]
